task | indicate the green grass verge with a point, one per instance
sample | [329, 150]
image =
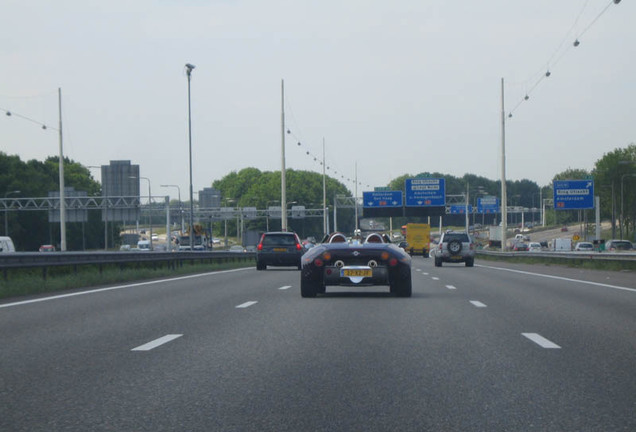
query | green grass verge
[27, 282]
[592, 264]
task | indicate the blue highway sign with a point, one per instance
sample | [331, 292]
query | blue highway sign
[461, 209]
[382, 199]
[488, 204]
[573, 194]
[425, 192]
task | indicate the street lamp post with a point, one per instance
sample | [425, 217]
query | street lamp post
[6, 223]
[189, 68]
[180, 204]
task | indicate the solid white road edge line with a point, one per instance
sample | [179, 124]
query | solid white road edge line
[560, 278]
[541, 341]
[157, 342]
[98, 290]
[246, 305]
[285, 287]
[477, 304]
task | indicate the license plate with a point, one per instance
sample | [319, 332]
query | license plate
[280, 249]
[356, 273]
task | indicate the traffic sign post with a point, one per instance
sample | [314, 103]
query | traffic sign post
[573, 194]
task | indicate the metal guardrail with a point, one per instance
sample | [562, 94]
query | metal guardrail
[44, 261]
[602, 256]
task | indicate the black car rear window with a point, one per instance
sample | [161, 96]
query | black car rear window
[462, 237]
[279, 240]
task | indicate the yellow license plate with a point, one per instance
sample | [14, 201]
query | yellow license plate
[280, 249]
[357, 273]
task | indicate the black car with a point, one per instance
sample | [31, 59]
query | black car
[373, 261]
[278, 249]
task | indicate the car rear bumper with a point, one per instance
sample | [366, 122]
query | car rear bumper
[278, 258]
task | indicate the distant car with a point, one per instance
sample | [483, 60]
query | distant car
[358, 263]
[584, 246]
[278, 249]
[564, 229]
[47, 248]
[520, 247]
[236, 248]
[455, 247]
[618, 245]
[534, 247]
[125, 248]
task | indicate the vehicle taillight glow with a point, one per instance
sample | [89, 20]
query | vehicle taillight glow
[259, 246]
[318, 262]
[384, 256]
[393, 262]
[326, 256]
[298, 246]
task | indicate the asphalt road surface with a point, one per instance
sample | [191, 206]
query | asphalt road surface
[497, 347]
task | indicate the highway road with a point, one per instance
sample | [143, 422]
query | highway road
[497, 347]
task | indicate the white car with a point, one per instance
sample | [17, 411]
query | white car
[534, 247]
[584, 247]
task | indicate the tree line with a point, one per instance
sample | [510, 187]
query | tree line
[614, 175]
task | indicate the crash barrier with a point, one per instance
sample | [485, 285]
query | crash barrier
[614, 260]
[45, 261]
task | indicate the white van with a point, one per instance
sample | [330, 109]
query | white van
[143, 245]
[6, 245]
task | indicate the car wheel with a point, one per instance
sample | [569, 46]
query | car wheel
[438, 262]
[402, 287]
[455, 247]
[470, 262]
[309, 288]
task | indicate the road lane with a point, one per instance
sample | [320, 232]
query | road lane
[350, 360]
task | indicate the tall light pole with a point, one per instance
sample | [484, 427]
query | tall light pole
[6, 224]
[283, 181]
[180, 205]
[504, 196]
[189, 68]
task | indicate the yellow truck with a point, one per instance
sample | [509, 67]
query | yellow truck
[418, 239]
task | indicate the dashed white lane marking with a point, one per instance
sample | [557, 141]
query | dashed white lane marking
[246, 304]
[157, 342]
[477, 304]
[435, 278]
[285, 287]
[541, 341]
[418, 270]
[425, 274]
[450, 287]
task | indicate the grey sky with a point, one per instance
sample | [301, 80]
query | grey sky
[398, 87]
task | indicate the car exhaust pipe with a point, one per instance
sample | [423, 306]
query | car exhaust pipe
[373, 263]
[339, 264]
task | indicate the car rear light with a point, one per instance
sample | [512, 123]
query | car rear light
[298, 246]
[384, 256]
[318, 262]
[393, 262]
[326, 256]
[259, 246]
